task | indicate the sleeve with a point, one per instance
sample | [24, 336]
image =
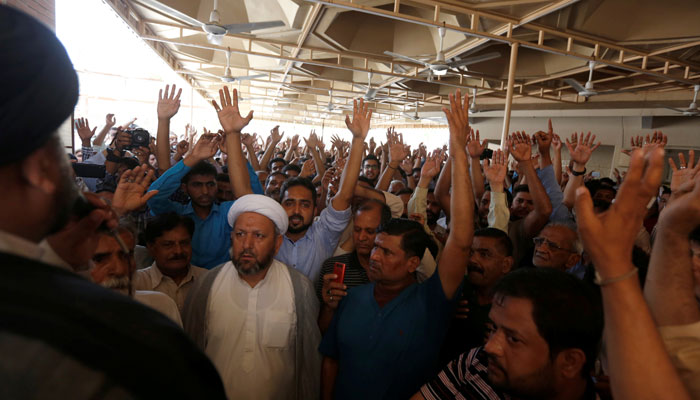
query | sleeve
[499, 215]
[329, 343]
[560, 213]
[395, 204]
[87, 152]
[331, 225]
[683, 346]
[448, 381]
[166, 185]
[418, 202]
[254, 180]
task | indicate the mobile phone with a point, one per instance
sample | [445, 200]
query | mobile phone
[84, 170]
[595, 174]
[339, 269]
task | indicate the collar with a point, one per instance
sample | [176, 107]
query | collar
[157, 276]
[189, 210]
[270, 271]
[41, 252]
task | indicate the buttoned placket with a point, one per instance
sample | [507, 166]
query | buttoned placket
[251, 328]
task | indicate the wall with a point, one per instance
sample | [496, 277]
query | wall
[43, 10]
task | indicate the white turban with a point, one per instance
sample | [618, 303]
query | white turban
[262, 205]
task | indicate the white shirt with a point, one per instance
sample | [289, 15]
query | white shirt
[152, 279]
[251, 333]
[41, 252]
[159, 302]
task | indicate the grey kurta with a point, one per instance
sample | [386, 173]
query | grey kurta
[307, 368]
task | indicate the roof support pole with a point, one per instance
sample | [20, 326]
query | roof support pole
[509, 92]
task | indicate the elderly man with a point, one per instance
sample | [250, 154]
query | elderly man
[254, 316]
[51, 316]
[169, 241]
[557, 246]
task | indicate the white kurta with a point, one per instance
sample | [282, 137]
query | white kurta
[250, 333]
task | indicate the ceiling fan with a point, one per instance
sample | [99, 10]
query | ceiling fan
[438, 66]
[330, 107]
[214, 30]
[416, 117]
[371, 93]
[692, 109]
[227, 77]
[588, 90]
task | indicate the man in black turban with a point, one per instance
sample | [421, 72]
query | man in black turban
[62, 336]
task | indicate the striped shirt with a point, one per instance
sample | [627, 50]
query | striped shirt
[464, 378]
[355, 274]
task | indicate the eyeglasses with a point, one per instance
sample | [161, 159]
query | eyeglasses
[539, 241]
[371, 166]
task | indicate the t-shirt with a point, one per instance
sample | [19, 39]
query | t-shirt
[387, 352]
[355, 274]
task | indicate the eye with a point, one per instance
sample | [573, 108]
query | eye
[259, 236]
[512, 339]
[239, 234]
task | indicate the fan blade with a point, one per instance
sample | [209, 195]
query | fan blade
[252, 26]
[574, 84]
[674, 109]
[243, 78]
[401, 56]
[473, 60]
[410, 116]
[171, 12]
[203, 73]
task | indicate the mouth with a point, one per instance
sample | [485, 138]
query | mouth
[475, 269]
[296, 220]
[541, 255]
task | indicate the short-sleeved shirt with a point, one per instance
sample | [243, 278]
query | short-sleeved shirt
[355, 274]
[387, 352]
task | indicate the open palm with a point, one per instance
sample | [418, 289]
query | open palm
[229, 114]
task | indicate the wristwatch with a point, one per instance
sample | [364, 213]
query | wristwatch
[575, 173]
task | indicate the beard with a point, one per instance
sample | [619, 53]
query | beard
[252, 267]
[298, 229]
[67, 194]
[431, 217]
[121, 284]
[535, 385]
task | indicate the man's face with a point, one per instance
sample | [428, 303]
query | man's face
[66, 193]
[298, 202]
[291, 173]
[365, 226]
[172, 250]
[370, 169]
[274, 183]
[484, 208]
[276, 166]
[605, 196]
[254, 243]
[518, 357]
[112, 266]
[388, 262]
[202, 190]
[556, 249]
[395, 186]
[487, 263]
[522, 205]
[433, 209]
[224, 192]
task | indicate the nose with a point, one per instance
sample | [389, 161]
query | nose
[494, 346]
[297, 209]
[374, 255]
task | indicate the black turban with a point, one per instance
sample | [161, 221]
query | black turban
[38, 85]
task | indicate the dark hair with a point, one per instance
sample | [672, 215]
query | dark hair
[414, 240]
[405, 190]
[201, 168]
[521, 188]
[504, 242]
[567, 312]
[156, 226]
[274, 174]
[695, 235]
[291, 167]
[223, 178]
[607, 182]
[298, 181]
[274, 160]
[372, 204]
[370, 157]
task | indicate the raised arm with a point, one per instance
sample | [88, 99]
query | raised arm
[168, 106]
[397, 153]
[639, 365]
[556, 160]
[475, 148]
[359, 126]
[110, 121]
[275, 138]
[442, 187]
[312, 143]
[249, 141]
[292, 149]
[453, 262]
[519, 146]
[580, 152]
[232, 123]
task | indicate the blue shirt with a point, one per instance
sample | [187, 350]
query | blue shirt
[560, 212]
[308, 253]
[387, 352]
[212, 236]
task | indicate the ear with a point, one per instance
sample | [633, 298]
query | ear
[572, 260]
[570, 362]
[413, 263]
[506, 265]
[38, 170]
[183, 187]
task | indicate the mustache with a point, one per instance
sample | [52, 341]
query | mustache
[121, 282]
[180, 256]
[296, 216]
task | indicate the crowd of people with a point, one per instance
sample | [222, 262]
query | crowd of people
[241, 266]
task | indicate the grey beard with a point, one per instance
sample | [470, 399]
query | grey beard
[121, 285]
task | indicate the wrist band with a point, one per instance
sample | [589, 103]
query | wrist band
[574, 173]
[603, 282]
[389, 166]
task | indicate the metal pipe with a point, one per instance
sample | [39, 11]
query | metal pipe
[509, 93]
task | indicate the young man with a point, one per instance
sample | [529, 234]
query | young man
[385, 336]
[370, 169]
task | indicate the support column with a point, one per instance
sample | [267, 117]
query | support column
[509, 92]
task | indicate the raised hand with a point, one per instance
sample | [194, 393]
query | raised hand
[372, 145]
[130, 194]
[229, 114]
[361, 116]
[83, 127]
[431, 167]
[248, 140]
[556, 143]
[397, 150]
[474, 146]
[682, 213]
[110, 121]
[275, 134]
[308, 168]
[580, 149]
[206, 146]
[519, 146]
[458, 121]
[495, 170]
[312, 140]
[295, 142]
[168, 103]
[657, 139]
[684, 173]
[609, 237]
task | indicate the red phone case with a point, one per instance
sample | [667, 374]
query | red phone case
[339, 269]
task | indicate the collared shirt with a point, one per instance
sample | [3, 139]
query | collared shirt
[159, 302]
[251, 333]
[42, 251]
[152, 279]
[212, 236]
[308, 253]
[387, 352]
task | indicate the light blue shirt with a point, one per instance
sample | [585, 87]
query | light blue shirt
[560, 212]
[308, 253]
[212, 236]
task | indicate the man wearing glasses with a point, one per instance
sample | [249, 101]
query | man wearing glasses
[557, 246]
[370, 169]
